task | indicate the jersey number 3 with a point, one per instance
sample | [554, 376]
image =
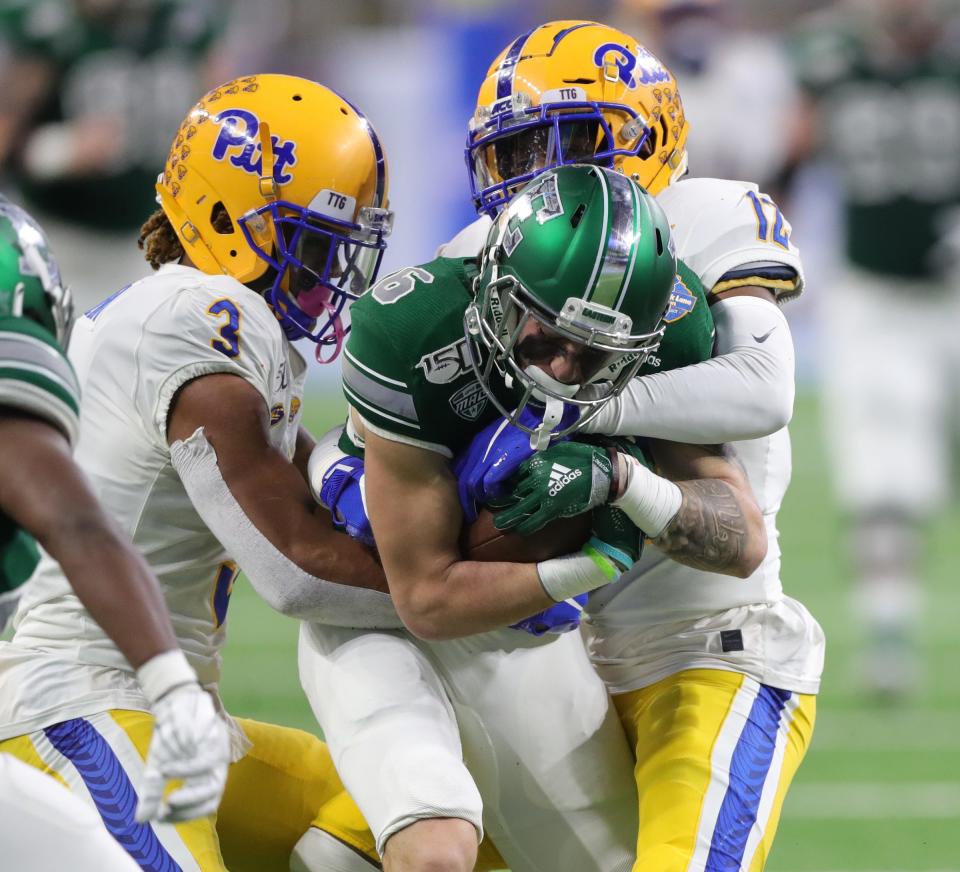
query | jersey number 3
[229, 341]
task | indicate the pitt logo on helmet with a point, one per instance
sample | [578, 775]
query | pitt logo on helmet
[239, 129]
[651, 70]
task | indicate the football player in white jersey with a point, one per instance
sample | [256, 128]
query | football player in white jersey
[738, 661]
[742, 660]
[44, 494]
[273, 215]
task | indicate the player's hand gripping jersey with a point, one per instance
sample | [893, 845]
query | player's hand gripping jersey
[133, 353]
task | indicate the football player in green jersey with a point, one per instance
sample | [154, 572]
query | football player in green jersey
[538, 329]
[861, 65]
[571, 290]
[44, 497]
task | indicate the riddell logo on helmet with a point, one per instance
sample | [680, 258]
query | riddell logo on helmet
[239, 129]
[561, 476]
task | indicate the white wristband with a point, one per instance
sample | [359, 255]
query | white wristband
[161, 674]
[649, 500]
[325, 453]
[565, 577]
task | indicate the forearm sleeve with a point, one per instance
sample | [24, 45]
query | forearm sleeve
[744, 392]
[278, 580]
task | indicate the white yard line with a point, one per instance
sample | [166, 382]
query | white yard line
[873, 801]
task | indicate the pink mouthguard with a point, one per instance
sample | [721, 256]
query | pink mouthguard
[315, 303]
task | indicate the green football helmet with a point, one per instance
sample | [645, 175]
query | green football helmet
[587, 253]
[30, 285]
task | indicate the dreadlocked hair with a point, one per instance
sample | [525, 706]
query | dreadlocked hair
[160, 243]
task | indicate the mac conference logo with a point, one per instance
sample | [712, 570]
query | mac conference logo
[469, 401]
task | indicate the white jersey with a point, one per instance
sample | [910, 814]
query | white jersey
[732, 233]
[132, 354]
[719, 227]
[663, 616]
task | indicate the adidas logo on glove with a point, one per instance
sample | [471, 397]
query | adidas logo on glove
[560, 476]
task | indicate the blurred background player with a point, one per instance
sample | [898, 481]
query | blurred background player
[89, 92]
[45, 497]
[878, 75]
[280, 183]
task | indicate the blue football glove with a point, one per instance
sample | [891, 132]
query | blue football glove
[493, 456]
[560, 618]
[342, 493]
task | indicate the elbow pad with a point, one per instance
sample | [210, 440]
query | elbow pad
[744, 392]
[277, 579]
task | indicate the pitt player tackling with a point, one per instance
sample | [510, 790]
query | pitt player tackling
[273, 216]
[738, 661]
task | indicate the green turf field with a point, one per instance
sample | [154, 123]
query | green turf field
[880, 789]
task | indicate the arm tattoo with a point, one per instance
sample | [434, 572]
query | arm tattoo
[710, 531]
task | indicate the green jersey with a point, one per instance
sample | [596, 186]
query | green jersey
[406, 369]
[138, 68]
[36, 378]
[891, 124]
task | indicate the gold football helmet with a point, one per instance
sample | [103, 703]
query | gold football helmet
[572, 92]
[301, 176]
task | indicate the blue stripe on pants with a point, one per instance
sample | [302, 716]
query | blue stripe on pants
[748, 773]
[111, 791]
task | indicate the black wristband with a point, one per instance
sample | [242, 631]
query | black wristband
[614, 456]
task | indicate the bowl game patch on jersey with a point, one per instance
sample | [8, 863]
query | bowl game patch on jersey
[682, 301]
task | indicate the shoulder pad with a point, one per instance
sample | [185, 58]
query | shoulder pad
[725, 228]
[211, 325]
[36, 377]
[406, 348]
